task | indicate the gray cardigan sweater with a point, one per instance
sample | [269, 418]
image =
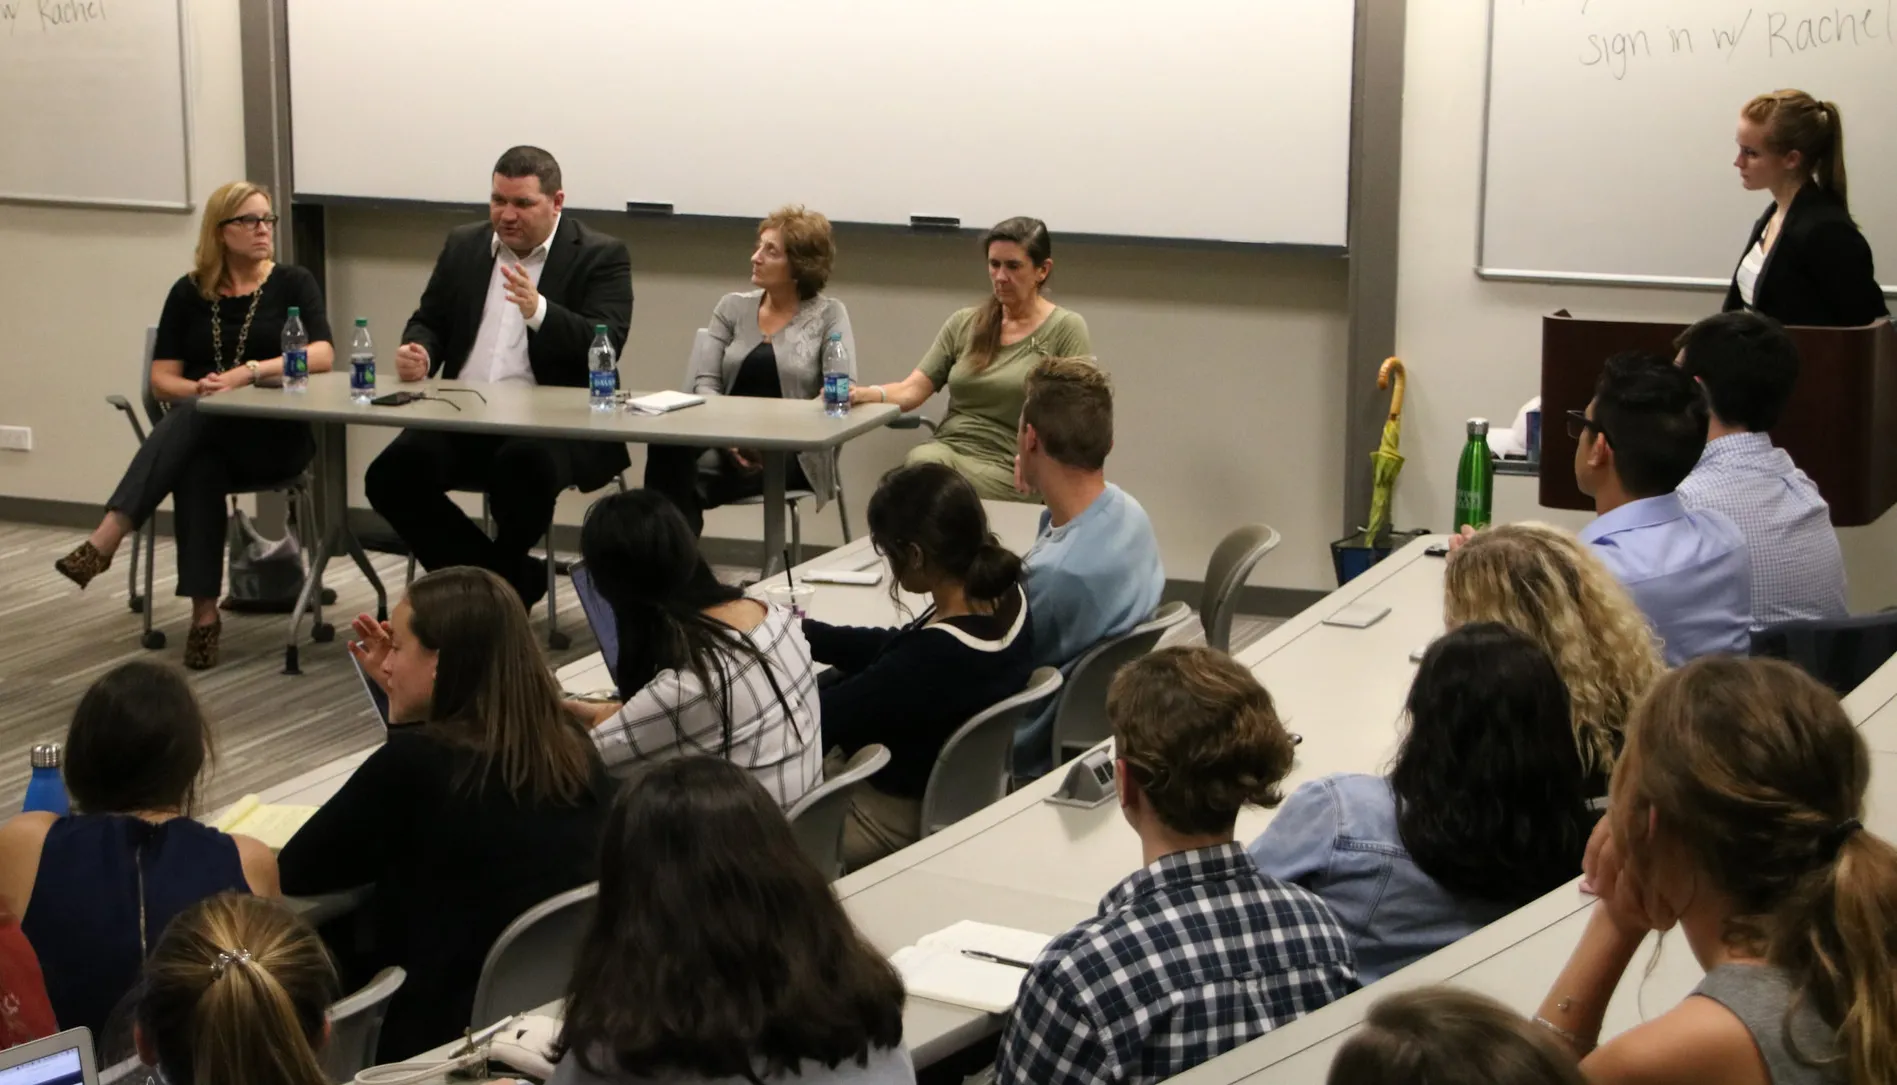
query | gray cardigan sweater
[733, 334]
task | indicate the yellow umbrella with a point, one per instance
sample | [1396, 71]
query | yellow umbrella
[1386, 462]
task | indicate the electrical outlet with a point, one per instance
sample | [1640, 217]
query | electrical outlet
[17, 438]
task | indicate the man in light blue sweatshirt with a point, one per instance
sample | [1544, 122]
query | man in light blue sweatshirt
[1094, 571]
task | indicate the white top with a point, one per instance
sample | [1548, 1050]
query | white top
[673, 717]
[500, 346]
[1748, 274]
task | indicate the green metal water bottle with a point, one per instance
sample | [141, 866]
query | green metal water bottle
[1475, 478]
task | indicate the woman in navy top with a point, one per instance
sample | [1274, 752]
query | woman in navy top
[910, 688]
[1485, 810]
[95, 890]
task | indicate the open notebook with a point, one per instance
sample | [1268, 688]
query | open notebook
[937, 968]
[273, 824]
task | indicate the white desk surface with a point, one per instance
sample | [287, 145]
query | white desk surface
[1515, 958]
[1030, 864]
[782, 425]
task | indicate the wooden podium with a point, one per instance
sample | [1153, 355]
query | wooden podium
[1840, 426]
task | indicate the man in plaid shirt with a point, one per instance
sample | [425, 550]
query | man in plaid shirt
[1199, 952]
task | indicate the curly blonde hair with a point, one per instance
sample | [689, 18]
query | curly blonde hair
[1544, 582]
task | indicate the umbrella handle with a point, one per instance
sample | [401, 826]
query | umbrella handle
[1393, 368]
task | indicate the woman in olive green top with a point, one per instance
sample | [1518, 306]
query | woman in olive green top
[983, 355]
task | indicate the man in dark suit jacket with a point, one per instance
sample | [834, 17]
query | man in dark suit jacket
[513, 299]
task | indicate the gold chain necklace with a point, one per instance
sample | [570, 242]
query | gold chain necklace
[217, 328]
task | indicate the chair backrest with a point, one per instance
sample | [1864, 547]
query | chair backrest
[1841, 653]
[154, 410]
[532, 960]
[817, 818]
[355, 1026]
[977, 761]
[1080, 721]
[1231, 565]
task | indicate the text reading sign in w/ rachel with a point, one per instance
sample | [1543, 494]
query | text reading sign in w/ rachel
[95, 103]
[1611, 124]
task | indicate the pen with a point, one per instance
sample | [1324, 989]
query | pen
[992, 959]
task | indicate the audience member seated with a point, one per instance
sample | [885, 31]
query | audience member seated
[1199, 952]
[1639, 438]
[237, 992]
[1485, 809]
[95, 890]
[1094, 571]
[910, 688]
[1748, 365]
[1448, 1036]
[710, 671]
[1736, 815]
[982, 356]
[484, 802]
[1541, 581]
[718, 953]
[767, 343]
[221, 328]
[484, 318]
[26, 1013]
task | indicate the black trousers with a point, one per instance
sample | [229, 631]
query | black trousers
[197, 460]
[522, 477]
[697, 479]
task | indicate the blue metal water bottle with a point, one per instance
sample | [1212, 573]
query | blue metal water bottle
[46, 789]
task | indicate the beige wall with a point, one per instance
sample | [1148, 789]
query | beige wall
[1226, 362]
[81, 285]
[1473, 347]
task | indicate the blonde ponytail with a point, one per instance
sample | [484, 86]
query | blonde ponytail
[1830, 166]
[1835, 938]
[236, 993]
[1795, 121]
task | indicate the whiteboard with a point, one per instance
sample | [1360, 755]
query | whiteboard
[1610, 130]
[94, 106]
[1206, 119]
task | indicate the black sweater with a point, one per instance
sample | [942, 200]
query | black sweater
[910, 688]
[1819, 271]
[452, 866]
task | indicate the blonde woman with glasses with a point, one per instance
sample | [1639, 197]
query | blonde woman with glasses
[219, 330]
[1542, 581]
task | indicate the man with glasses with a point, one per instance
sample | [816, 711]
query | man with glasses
[512, 299]
[1687, 569]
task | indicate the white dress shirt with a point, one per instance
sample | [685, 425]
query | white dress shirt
[500, 346]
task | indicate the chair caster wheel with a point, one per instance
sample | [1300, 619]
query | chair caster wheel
[559, 641]
[289, 661]
[322, 632]
[153, 640]
[137, 603]
[329, 597]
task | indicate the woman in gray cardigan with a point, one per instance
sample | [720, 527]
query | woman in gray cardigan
[763, 342]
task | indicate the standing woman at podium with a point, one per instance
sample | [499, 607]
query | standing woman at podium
[1806, 262]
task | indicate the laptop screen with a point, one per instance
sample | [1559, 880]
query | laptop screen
[56, 1060]
[599, 615]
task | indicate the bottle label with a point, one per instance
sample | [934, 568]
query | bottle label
[362, 372]
[296, 363]
[1472, 508]
[603, 383]
[836, 389]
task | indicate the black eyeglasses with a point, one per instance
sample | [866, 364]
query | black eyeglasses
[251, 222]
[1579, 423]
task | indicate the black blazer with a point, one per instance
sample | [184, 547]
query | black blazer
[1818, 273]
[587, 280]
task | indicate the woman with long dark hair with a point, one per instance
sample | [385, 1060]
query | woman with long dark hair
[982, 356]
[706, 669]
[910, 688]
[719, 953]
[1485, 809]
[485, 801]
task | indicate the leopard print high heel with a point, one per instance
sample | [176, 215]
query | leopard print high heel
[85, 562]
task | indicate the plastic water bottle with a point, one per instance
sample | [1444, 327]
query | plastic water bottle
[361, 364]
[296, 353]
[46, 789]
[836, 377]
[1475, 478]
[602, 371]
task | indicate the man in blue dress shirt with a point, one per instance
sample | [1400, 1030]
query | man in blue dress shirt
[1687, 569]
